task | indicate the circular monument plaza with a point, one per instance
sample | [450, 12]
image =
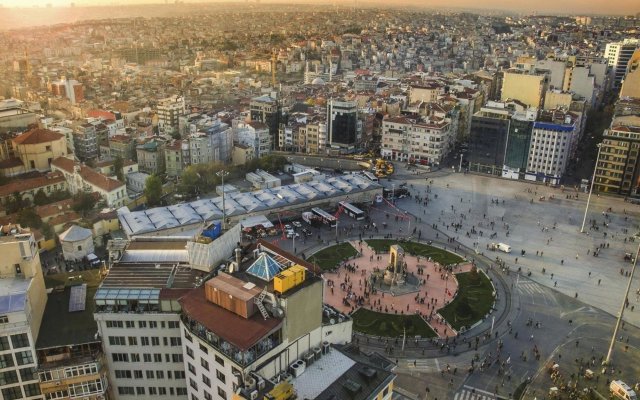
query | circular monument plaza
[404, 288]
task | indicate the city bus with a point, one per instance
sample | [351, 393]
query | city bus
[326, 218]
[353, 211]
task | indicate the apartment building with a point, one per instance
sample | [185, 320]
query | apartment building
[342, 124]
[71, 363]
[260, 316]
[81, 178]
[617, 167]
[85, 142]
[254, 134]
[23, 299]
[137, 314]
[553, 143]
[176, 156]
[266, 109]
[424, 141]
[150, 156]
[169, 112]
[525, 87]
[618, 55]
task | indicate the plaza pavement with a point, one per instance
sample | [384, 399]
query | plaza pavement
[550, 227]
[440, 287]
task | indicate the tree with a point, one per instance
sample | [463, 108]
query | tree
[153, 190]
[118, 164]
[16, 203]
[28, 218]
[83, 202]
[189, 182]
[47, 231]
[40, 198]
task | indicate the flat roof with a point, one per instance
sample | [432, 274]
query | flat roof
[63, 328]
[14, 294]
[321, 374]
[241, 332]
[236, 204]
[150, 276]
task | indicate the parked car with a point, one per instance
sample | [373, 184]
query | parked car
[292, 234]
[306, 232]
[297, 224]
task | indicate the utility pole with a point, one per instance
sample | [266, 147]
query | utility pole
[593, 179]
[622, 307]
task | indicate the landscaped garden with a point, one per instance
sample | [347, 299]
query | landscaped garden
[473, 301]
[418, 249]
[331, 257]
[390, 325]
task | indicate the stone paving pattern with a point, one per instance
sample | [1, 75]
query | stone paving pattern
[439, 288]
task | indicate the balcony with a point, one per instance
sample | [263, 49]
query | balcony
[240, 357]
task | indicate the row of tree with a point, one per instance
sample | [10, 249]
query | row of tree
[202, 178]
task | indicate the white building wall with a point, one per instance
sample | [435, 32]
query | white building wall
[22, 354]
[155, 368]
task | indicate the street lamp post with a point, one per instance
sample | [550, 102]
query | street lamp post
[593, 179]
[393, 193]
[222, 173]
[460, 166]
[622, 307]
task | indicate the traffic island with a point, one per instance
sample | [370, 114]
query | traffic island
[472, 303]
[422, 250]
[331, 257]
[390, 325]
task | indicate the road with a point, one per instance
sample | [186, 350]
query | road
[574, 299]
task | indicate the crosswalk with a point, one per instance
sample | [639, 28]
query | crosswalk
[530, 288]
[471, 393]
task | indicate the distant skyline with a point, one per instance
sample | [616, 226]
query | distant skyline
[572, 7]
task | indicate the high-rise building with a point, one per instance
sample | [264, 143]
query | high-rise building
[254, 134]
[22, 303]
[342, 123]
[266, 109]
[618, 55]
[85, 142]
[631, 83]
[553, 143]
[137, 314]
[617, 169]
[423, 141]
[518, 143]
[488, 137]
[263, 316]
[169, 112]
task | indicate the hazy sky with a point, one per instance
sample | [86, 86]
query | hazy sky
[541, 6]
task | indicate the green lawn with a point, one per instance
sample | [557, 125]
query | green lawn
[330, 257]
[419, 249]
[473, 301]
[390, 325]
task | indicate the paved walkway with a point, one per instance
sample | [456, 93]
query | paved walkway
[350, 282]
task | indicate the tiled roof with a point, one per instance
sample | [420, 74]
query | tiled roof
[23, 185]
[88, 175]
[37, 135]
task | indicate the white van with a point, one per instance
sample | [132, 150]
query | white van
[622, 391]
[504, 247]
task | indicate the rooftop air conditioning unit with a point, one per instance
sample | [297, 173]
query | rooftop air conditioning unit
[317, 352]
[254, 395]
[309, 358]
[250, 382]
[326, 347]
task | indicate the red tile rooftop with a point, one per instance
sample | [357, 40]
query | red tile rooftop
[37, 135]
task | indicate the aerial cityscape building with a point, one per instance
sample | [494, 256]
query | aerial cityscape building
[248, 201]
